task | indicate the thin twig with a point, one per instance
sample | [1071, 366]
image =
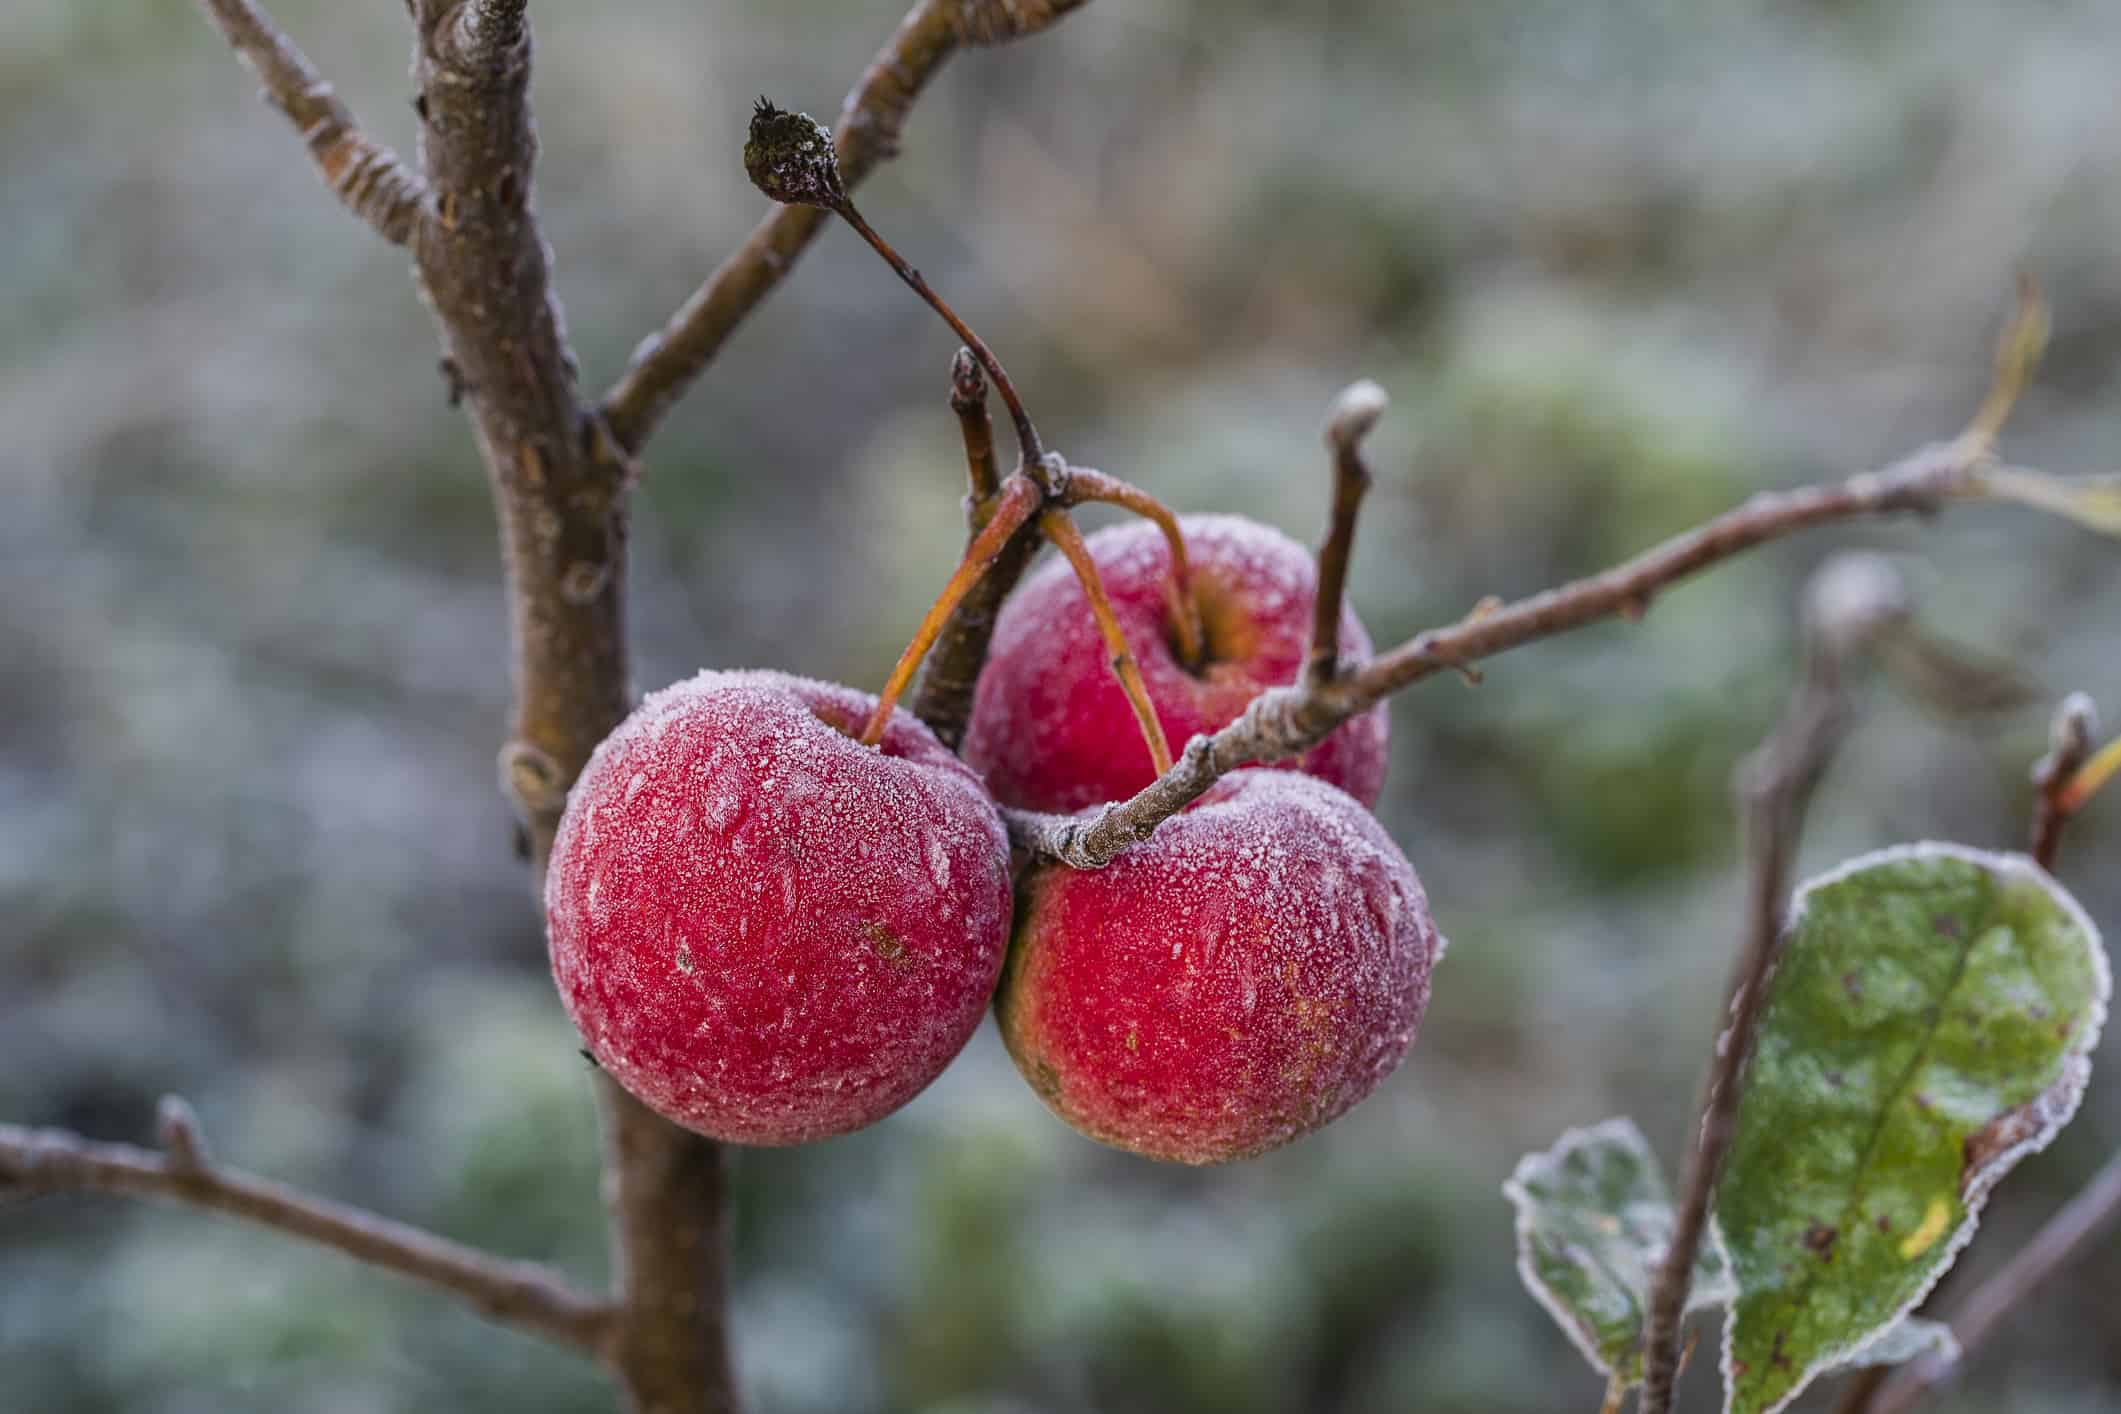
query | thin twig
[950, 676]
[44, 1161]
[1020, 500]
[2068, 1236]
[1775, 787]
[369, 179]
[968, 399]
[1286, 721]
[1026, 434]
[868, 132]
[2069, 745]
[1354, 413]
[1058, 528]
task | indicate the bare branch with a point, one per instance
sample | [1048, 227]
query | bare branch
[42, 1161]
[368, 178]
[2082, 1222]
[1844, 612]
[1354, 413]
[1286, 721]
[867, 133]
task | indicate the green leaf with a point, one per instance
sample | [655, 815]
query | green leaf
[2092, 501]
[1929, 1024]
[1593, 1220]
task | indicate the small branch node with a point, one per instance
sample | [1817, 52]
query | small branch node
[178, 1131]
[532, 779]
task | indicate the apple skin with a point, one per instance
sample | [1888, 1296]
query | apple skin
[1051, 729]
[764, 930]
[1230, 984]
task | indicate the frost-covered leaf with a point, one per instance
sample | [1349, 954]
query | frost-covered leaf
[1929, 1024]
[1593, 1219]
[1909, 1338]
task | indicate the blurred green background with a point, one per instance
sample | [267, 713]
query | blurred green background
[1617, 264]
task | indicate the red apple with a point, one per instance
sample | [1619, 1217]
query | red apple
[1050, 728]
[1240, 978]
[765, 930]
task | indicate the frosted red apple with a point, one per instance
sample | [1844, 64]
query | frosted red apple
[1242, 977]
[765, 930]
[1051, 729]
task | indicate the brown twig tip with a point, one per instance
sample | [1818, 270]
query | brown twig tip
[968, 382]
[790, 157]
[1348, 422]
[2069, 738]
[1354, 413]
[968, 400]
[2057, 775]
[178, 1131]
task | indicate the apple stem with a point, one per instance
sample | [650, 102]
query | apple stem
[1180, 601]
[1026, 434]
[1020, 499]
[1353, 414]
[1061, 530]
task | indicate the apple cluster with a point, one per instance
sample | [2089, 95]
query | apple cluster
[779, 908]
[772, 933]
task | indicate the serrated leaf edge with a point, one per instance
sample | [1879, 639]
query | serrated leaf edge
[1941, 1343]
[2057, 1104]
[1623, 1128]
